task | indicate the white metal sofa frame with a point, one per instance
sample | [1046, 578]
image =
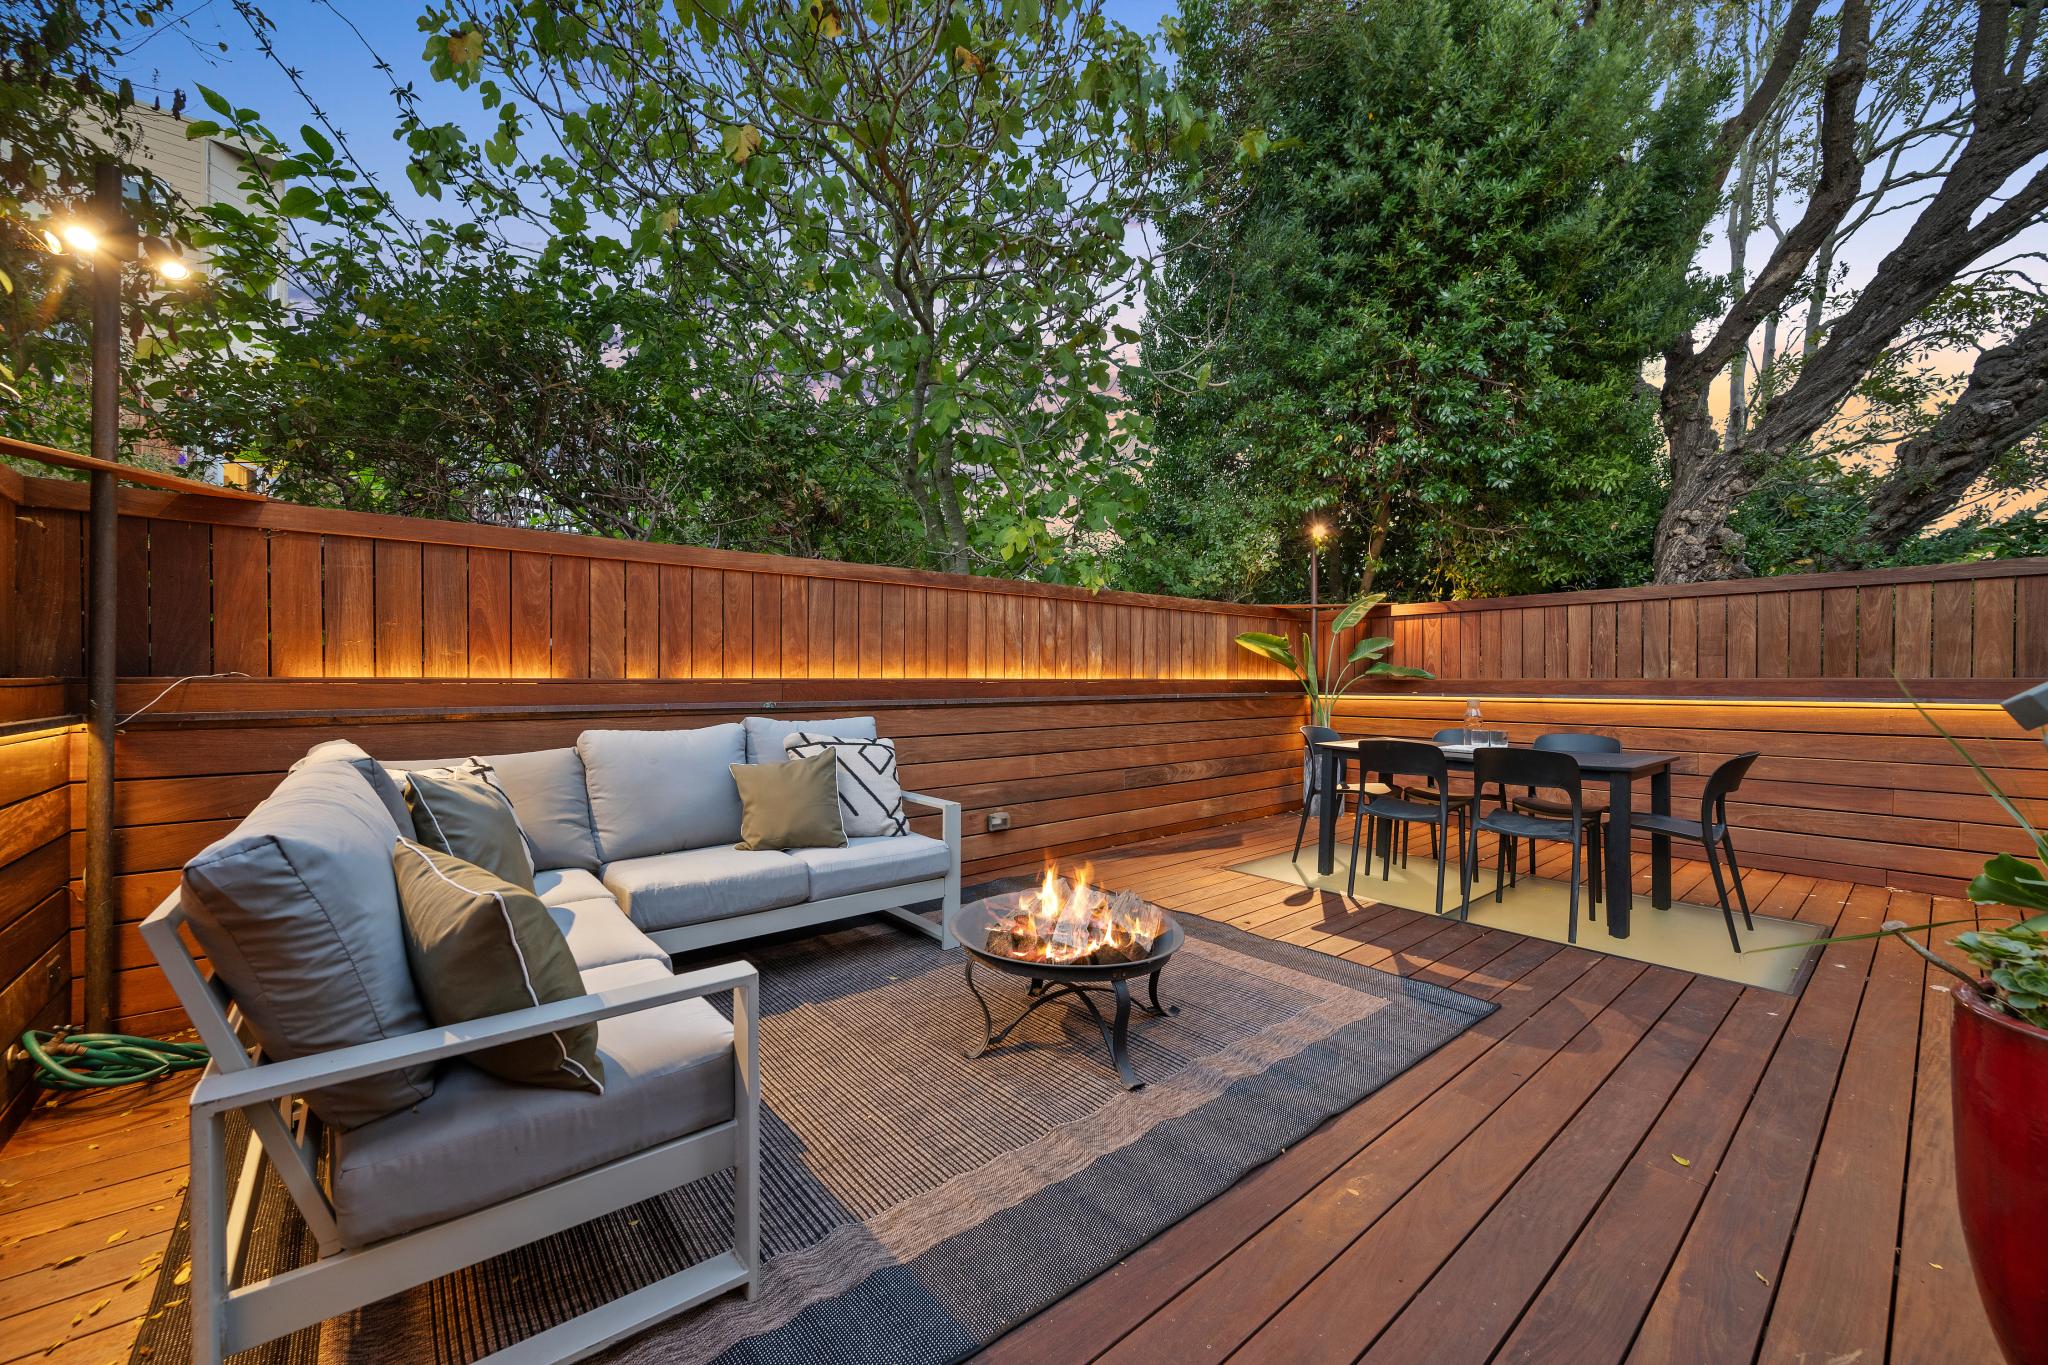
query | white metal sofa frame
[893, 901]
[226, 1319]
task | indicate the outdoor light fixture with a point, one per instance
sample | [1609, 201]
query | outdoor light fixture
[1318, 532]
[81, 238]
[171, 268]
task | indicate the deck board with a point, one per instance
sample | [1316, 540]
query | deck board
[1623, 1162]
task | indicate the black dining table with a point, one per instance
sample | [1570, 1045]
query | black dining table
[1621, 770]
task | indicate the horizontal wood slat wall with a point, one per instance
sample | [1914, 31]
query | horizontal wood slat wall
[1958, 630]
[276, 590]
[1862, 792]
[35, 822]
[1075, 774]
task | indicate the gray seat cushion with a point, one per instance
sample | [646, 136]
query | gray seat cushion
[877, 861]
[599, 935]
[700, 884]
[297, 908]
[546, 788]
[765, 735]
[565, 885]
[479, 1141]
[654, 791]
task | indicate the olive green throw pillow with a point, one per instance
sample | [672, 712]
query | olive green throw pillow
[790, 805]
[463, 812]
[480, 946]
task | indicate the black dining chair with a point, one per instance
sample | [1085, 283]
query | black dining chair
[1711, 829]
[1543, 770]
[1593, 802]
[1410, 758]
[1425, 792]
[1314, 735]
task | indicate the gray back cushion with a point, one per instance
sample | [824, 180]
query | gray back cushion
[547, 791]
[765, 736]
[349, 752]
[298, 910]
[659, 791]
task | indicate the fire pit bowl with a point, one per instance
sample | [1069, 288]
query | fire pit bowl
[1074, 941]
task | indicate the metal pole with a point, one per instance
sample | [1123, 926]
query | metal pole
[99, 689]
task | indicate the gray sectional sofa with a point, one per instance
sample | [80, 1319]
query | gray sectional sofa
[431, 1164]
[644, 823]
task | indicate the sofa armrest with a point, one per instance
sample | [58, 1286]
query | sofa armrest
[272, 1081]
[949, 813]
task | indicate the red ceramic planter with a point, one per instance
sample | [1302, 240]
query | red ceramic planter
[1999, 1087]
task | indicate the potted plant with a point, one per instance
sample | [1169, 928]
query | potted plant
[1998, 1083]
[1323, 684]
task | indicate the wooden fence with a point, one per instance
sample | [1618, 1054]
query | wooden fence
[1088, 720]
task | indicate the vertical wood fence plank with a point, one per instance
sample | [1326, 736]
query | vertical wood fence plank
[1838, 647]
[349, 580]
[1996, 627]
[911, 660]
[401, 650]
[1683, 661]
[1600, 654]
[295, 650]
[739, 625]
[1913, 635]
[677, 631]
[607, 618]
[643, 620]
[1806, 613]
[795, 614]
[180, 598]
[1578, 653]
[707, 623]
[1952, 621]
[1628, 640]
[444, 600]
[49, 593]
[490, 613]
[1712, 642]
[1874, 631]
[1062, 640]
[1535, 658]
[2030, 641]
[767, 625]
[1657, 635]
[531, 584]
[569, 616]
[1741, 659]
[959, 615]
[869, 631]
[131, 605]
[823, 592]
[1773, 633]
[241, 597]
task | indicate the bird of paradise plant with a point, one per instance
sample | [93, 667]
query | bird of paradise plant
[1323, 683]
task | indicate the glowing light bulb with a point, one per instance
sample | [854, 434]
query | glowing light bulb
[171, 268]
[81, 238]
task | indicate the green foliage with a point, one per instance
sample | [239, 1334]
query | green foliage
[2014, 963]
[1422, 298]
[916, 216]
[1316, 667]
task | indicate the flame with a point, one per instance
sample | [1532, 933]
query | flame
[1073, 922]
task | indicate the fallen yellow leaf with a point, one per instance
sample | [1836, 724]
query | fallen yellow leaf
[184, 1275]
[1760, 1275]
[1680, 1160]
[117, 1236]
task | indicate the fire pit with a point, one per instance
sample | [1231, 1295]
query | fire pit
[1070, 939]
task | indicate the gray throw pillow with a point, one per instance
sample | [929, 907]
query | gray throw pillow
[479, 947]
[766, 736]
[662, 791]
[297, 909]
[870, 796]
[461, 811]
[792, 804]
[552, 803]
[349, 752]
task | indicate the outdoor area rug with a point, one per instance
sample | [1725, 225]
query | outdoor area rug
[917, 1203]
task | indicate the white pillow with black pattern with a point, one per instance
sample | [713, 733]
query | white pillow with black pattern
[870, 796]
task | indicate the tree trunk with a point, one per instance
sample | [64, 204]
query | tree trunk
[2005, 401]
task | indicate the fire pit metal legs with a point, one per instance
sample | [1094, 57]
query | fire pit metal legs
[1115, 1035]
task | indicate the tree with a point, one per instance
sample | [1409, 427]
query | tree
[1969, 168]
[1416, 292]
[919, 213]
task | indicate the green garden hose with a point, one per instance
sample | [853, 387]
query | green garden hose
[66, 1060]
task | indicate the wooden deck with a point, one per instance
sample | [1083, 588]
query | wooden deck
[1622, 1163]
